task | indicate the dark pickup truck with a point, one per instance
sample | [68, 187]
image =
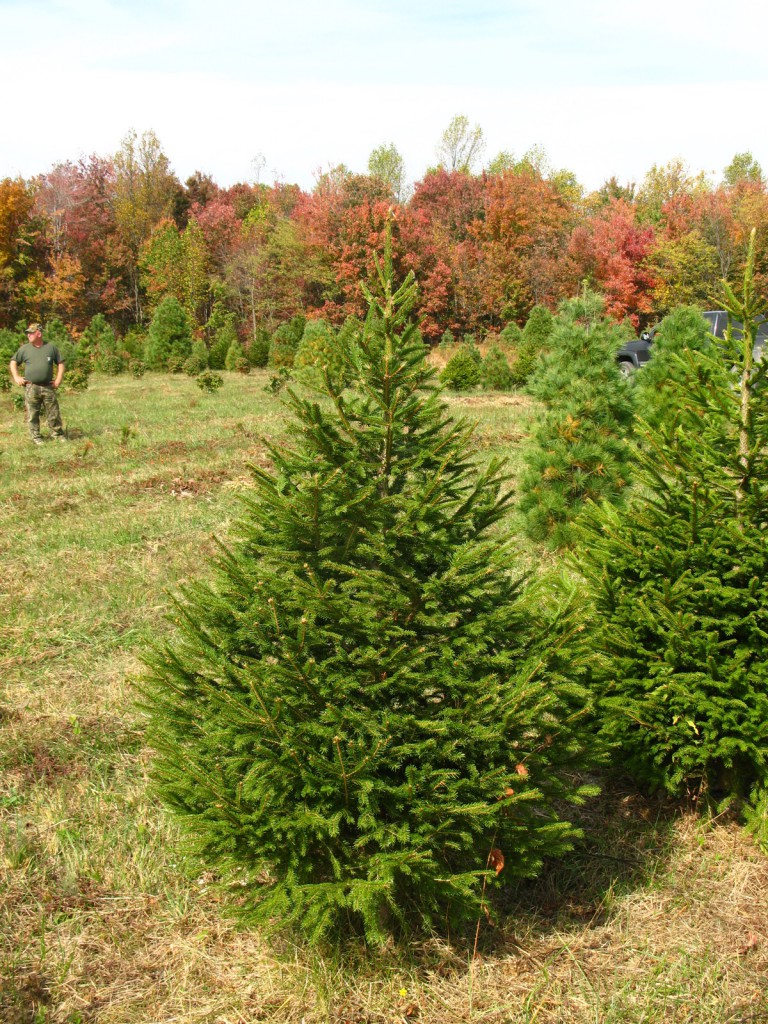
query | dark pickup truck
[637, 352]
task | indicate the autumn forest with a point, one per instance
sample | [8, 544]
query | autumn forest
[115, 235]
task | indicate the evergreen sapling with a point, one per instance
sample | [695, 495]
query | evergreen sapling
[579, 449]
[365, 714]
[679, 580]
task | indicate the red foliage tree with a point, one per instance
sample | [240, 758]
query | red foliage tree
[611, 251]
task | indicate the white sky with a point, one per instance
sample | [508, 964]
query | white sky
[606, 87]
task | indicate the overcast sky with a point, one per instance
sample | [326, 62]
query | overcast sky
[607, 88]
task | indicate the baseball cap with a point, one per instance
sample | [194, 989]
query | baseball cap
[34, 327]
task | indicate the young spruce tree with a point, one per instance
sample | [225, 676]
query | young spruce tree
[365, 715]
[680, 580]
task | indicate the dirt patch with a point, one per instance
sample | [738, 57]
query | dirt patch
[179, 486]
[23, 998]
[491, 399]
[170, 448]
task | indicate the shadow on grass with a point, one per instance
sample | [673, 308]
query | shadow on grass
[627, 842]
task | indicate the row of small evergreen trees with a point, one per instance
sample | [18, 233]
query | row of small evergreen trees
[510, 359]
[370, 715]
[168, 345]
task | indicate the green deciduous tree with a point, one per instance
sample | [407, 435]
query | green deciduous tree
[743, 167]
[362, 718]
[145, 194]
[385, 162]
[461, 145]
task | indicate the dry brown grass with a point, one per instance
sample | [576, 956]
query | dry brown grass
[691, 946]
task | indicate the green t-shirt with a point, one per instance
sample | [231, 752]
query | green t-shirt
[38, 362]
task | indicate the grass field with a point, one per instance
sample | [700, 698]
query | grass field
[660, 916]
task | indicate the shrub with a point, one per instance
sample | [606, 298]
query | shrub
[447, 341]
[461, 372]
[210, 381]
[10, 343]
[110, 364]
[77, 379]
[364, 717]
[137, 368]
[680, 584]
[175, 363]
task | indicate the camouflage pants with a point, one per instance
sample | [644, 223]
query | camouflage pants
[37, 399]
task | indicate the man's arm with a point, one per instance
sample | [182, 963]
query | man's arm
[17, 378]
[59, 375]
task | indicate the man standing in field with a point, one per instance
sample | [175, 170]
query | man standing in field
[39, 361]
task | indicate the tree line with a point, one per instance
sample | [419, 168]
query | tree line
[115, 236]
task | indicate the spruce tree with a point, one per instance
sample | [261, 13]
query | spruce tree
[495, 374]
[679, 580]
[579, 449]
[258, 347]
[365, 712]
[98, 344]
[223, 337]
[235, 359]
[462, 371]
[169, 337]
[285, 341]
[198, 358]
[320, 352]
[533, 341]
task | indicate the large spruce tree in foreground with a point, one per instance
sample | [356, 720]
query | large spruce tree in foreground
[363, 718]
[680, 578]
